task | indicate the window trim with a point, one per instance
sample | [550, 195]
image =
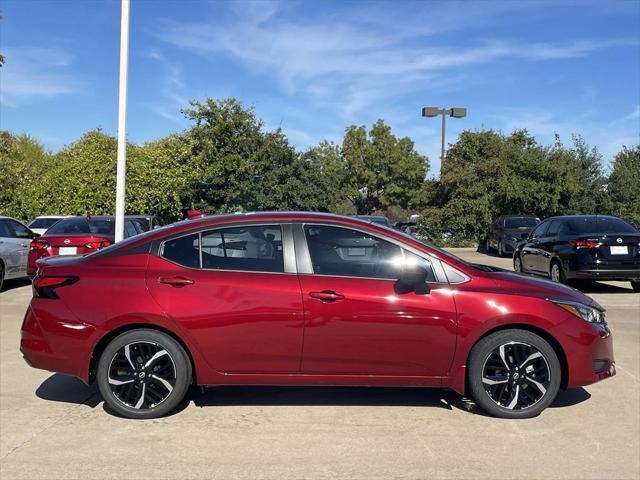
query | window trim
[305, 266]
[288, 254]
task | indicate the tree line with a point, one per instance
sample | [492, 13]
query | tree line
[228, 162]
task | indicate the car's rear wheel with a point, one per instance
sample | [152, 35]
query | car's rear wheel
[500, 249]
[1, 275]
[635, 284]
[556, 274]
[144, 374]
[514, 374]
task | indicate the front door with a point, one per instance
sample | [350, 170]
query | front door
[355, 321]
[228, 288]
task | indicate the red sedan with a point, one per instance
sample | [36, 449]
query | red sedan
[77, 236]
[306, 299]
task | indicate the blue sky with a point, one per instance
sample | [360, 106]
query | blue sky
[312, 68]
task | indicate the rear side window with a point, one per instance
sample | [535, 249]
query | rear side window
[20, 230]
[4, 230]
[554, 228]
[183, 251]
[254, 248]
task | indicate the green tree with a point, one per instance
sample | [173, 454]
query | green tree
[382, 170]
[623, 186]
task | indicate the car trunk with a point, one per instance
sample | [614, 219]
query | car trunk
[614, 250]
[75, 244]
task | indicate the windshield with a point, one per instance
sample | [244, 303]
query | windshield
[43, 222]
[82, 225]
[520, 222]
[600, 225]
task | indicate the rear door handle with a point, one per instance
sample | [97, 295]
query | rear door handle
[327, 296]
[176, 281]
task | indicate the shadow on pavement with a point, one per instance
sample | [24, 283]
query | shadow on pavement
[63, 388]
[15, 283]
[600, 287]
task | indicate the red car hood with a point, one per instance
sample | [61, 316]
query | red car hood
[530, 285]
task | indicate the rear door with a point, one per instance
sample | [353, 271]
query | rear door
[21, 239]
[236, 290]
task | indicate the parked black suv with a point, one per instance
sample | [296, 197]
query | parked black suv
[507, 231]
[597, 247]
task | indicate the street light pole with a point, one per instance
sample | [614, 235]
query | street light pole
[455, 112]
[121, 165]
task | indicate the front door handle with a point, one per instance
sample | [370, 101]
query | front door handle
[327, 296]
[177, 282]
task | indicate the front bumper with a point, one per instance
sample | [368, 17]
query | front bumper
[588, 350]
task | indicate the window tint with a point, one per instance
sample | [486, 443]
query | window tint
[103, 226]
[129, 229]
[4, 230]
[346, 252]
[422, 263]
[255, 248]
[540, 230]
[554, 228]
[20, 230]
[183, 251]
[44, 222]
[599, 225]
[520, 222]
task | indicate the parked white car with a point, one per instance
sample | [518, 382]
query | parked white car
[15, 239]
[41, 224]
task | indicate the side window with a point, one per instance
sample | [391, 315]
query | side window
[254, 248]
[554, 229]
[5, 232]
[183, 251]
[422, 263]
[345, 252]
[129, 229]
[540, 230]
[20, 230]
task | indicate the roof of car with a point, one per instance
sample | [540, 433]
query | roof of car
[581, 217]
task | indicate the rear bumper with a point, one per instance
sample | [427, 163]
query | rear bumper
[605, 274]
[54, 340]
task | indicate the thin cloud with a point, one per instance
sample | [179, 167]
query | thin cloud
[36, 72]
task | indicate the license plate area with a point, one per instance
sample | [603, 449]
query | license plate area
[68, 251]
[619, 250]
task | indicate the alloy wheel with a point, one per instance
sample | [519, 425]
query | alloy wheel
[516, 376]
[142, 375]
[555, 273]
[517, 264]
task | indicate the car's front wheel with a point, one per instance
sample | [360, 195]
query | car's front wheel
[514, 374]
[143, 374]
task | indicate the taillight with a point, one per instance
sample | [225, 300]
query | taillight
[38, 245]
[584, 244]
[45, 287]
[97, 245]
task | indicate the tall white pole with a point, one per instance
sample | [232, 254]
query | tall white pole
[121, 168]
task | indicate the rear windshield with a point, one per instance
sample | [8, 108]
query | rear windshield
[43, 222]
[520, 222]
[103, 226]
[599, 225]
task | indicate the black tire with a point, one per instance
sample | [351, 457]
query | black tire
[517, 263]
[1, 275]
[500, 249]
[487, 246]
[558, 277]
[161, 383]
[534, 390]
[635, 285]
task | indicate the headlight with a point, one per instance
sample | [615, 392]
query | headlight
[585, 312]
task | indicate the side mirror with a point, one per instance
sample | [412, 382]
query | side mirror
[412, 279]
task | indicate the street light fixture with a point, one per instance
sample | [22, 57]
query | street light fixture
[455, 112]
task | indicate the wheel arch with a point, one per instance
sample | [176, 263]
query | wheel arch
[109, 336]
[550, 339]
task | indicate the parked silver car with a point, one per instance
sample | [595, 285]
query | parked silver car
[15, 239]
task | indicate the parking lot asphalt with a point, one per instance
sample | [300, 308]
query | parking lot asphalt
[54, 427]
